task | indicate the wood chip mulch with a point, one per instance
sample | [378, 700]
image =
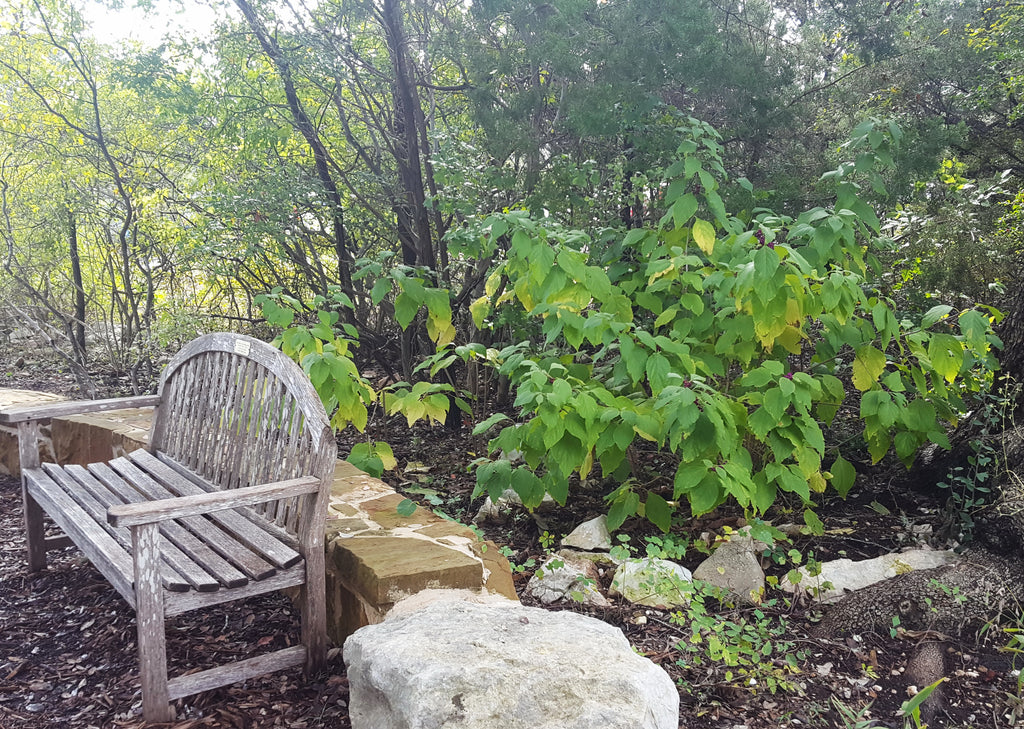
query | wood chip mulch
[68, 653]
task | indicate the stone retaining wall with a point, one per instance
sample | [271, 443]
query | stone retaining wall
[375, 557]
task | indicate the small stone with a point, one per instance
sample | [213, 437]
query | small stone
[656, 583]
[590, 536]
[734, 566]
[566, 577]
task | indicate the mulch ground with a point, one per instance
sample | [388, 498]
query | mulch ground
[68, 653]
[68, 656]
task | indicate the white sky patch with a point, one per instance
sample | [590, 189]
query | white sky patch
[150, 26]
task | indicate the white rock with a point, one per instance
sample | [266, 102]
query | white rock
[565, 576]
[846, 575]
[500, 511]
[590, 536]
[735, 567]
[461, 665]
[653, 582]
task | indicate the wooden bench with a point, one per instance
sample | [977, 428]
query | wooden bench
[228, 502]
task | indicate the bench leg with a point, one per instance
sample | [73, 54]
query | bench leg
[314, 613]
[28, 457]
[35, 540]
[149, 616]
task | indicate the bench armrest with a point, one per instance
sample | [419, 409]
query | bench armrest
[15, 415]
[148, 512]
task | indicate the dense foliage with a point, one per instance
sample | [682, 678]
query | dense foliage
[764, 238]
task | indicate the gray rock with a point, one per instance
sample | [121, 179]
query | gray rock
[734, 566]
[844, 575]
[653, 582]
[590, 536]
[566, 576]
[469, 666]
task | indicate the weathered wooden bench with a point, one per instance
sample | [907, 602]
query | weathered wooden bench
[228, 502]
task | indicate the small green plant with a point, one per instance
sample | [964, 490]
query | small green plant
[668, 546]
[753, 646]
[894, 629]
[970, 487]
[516, 567]
[851, 718]
[622, 550]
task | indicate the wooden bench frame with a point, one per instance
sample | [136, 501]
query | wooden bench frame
[229, 501]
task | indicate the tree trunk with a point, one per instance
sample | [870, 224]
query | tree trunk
[77, 332]
[413, 216]
[309, 132]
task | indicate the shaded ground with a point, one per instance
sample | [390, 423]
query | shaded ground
[67, 641]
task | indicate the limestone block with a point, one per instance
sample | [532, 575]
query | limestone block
[376, 557]
[9, 462]
[464, 665]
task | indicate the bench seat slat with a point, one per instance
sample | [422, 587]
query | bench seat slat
[101, 549]
[259, 540]
[177, 571]
[223, 546]
[133, 491]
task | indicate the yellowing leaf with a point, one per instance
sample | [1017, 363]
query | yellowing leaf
[790, 340]
[868, 365]
[704, 235]
[479, 310]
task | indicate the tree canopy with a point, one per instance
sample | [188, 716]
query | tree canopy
[730, 230]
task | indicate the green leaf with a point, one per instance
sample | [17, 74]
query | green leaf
[364, 457]
[683, 209]
[484, 426]
[844, 475]
[405, 309]
[934, 314]
[622, 508]
[530, 488]
[406, 508]
[658, 512]
[946, 353]
[912, 707]
[813, 523]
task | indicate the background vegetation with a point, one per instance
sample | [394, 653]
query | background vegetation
[769, 239]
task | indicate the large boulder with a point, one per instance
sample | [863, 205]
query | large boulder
[462, 665]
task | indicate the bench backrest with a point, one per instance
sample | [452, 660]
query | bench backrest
[238, 412]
